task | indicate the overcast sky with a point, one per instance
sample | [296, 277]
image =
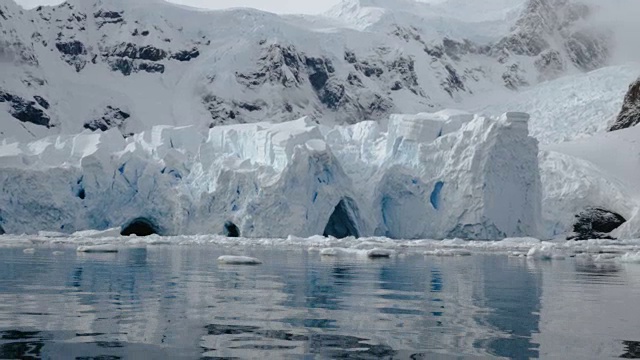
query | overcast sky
[277, 6]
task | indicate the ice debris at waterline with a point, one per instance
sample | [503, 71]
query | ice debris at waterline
[238, 260]
[531, 249]
[104, 248]
[431, 175]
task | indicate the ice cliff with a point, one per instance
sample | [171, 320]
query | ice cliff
[431, 175]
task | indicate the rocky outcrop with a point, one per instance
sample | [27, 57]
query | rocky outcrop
[73, 53]
[25, 110]
[595, 223]
[112, 117]
[129, 66]
[186, 55]
[630, 114]
[135, 52]
[104, 17]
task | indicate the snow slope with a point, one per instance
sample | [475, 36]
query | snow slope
[599, 171]
[448, 174]
[569, 108]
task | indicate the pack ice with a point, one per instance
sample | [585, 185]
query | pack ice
[431, 175]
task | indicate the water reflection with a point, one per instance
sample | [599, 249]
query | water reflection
[15, 344]
[513, 296]
[177, 302]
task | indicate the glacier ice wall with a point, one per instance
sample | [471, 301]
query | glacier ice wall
[440, 175]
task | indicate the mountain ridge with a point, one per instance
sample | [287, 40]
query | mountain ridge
[178, 66]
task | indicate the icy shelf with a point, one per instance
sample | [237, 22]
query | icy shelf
[447, 174]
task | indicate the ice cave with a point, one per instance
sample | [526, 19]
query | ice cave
[140, 227]
[342, 222]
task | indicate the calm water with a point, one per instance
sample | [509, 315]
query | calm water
[178, 302]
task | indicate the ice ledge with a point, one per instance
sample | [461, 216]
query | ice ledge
[428, 176]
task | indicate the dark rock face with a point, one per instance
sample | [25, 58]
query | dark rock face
[25, 110]
[104, 17]
[630, 114]
[71, 48]
[273, 66]
[42, 102]
[332, 94]
[131, 51]
[186, 55]
[319, 71]
[73, 53]
[594, 223]
[113, 117]
[129, 66]
[219, 110]
[453, 82]
[404, 67]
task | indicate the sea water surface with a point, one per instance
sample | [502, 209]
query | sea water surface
[179, 302]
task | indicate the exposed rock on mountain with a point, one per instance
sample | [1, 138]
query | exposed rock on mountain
[630, 114]
[113, 117]
[25, 110]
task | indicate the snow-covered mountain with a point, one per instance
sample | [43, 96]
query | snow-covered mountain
[100, 64]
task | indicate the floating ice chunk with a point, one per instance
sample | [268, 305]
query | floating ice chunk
[630, 257]
[105, 248]
[545, 252]
[519, 241]
[97, 233]
[331, 252]
[29, 251]
[453, 242]
[57, 253]
[380, 253]
[238, 260]
[448, 252]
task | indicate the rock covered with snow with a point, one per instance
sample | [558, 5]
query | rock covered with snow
[630, 114]
[442, 175]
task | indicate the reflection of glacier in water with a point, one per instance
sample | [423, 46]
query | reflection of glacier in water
[168, 301]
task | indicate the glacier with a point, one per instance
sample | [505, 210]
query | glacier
[430, 175]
